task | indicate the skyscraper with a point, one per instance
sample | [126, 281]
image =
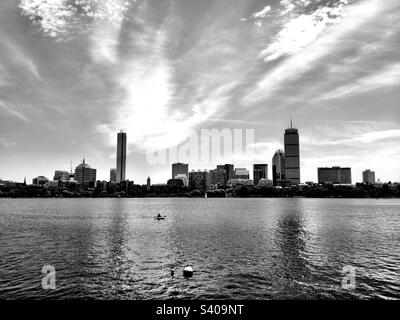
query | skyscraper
[292, 155]
[180, 168]
[278, 167]
[260, 171]
[121, 157]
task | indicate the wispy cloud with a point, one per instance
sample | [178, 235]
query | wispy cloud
[14, 111]
[388, 77]
[312, 48]
[300, 31]
[262, 13]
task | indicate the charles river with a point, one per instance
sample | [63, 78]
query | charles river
[239, 248]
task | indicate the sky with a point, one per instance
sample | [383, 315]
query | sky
[73, 73]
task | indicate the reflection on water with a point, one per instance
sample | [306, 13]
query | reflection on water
[239, 248]
[290, 238]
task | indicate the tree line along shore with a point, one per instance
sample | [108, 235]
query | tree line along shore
[387, 190]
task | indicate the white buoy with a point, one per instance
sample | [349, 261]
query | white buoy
[188, 272]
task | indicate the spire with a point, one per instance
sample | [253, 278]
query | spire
[25, 181]
[291, 121]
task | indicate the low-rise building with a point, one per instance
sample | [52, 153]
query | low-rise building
[244, 182]
[369, 177]
[334, 175]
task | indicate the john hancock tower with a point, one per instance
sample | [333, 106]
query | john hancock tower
[121, 156]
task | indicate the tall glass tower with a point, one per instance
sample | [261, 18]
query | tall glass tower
[278, 167]
[121, 157]
[292, 155]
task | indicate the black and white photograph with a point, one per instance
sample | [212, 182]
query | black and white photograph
[199, 155]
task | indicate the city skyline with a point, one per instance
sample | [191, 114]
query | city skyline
[71, 79]
[286, 162]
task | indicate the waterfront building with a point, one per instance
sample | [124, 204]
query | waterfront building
[334, 175]
[278, 167]
[369, 177]
[121, 157]
[40, 181]
[241, 173]
[238, 181]
[263, 183]
[229, 170]
[84, 173]
[199, 180]
[61, 175]
[292, 155]
[260, 171]
[180, 168]
[101, 186]
[218, 176]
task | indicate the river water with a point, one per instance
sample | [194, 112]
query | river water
[239, 248]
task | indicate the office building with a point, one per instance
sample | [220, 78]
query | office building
[199, 180]
[113, 175]
[260, 171]
[218, 176]
[244, 182]
[369, 177]
[241, 173]
[229, 169]
[334, 175]
[180, 168]
[84, 174]
[278, 167]
[264, 183]
[40, 181]
[61, 175]
[292, 155]
[121, 157]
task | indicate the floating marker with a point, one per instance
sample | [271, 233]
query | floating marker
[188, 272]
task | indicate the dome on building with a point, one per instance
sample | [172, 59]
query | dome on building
[84, 165]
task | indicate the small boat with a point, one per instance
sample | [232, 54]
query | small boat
[160, 217]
